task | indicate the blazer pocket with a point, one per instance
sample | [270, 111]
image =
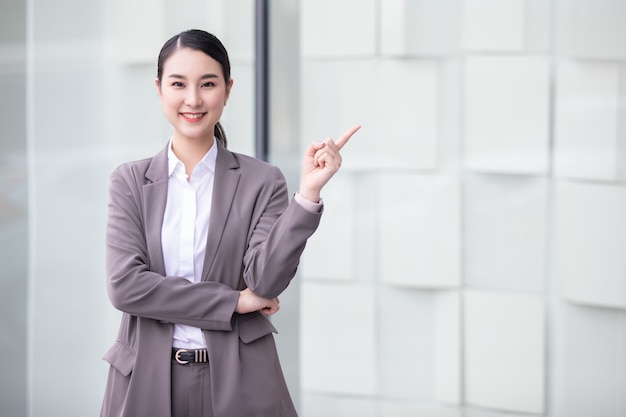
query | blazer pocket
[121, 358]
[255, 327]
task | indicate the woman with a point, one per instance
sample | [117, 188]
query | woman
[200, 243]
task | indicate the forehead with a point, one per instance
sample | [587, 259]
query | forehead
[191, 62]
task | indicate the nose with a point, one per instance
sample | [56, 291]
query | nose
[193, 97]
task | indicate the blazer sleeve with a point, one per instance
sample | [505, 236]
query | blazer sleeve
[277, 242]
[131, 284]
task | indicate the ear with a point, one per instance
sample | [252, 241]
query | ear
[228, 88]
[158, 86]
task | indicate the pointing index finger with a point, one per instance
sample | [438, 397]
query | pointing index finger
[346, 136]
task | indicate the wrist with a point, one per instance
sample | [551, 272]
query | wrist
[310, 195]
[242, 302]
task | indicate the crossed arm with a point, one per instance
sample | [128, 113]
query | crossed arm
[135, 289]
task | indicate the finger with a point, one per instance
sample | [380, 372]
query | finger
[329, 152]
[313, 151]
[331, 148]
[315, 147]
[321, 159]
[327, 145]
[346, 136]
[271, 309]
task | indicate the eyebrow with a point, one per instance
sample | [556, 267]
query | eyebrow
[203, 77]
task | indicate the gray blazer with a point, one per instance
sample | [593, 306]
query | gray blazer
[256, 238]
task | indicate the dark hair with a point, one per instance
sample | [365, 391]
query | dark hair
[198, 40]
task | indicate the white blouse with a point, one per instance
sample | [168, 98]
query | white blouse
[185, 229]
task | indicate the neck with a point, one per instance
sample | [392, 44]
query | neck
[191, 151]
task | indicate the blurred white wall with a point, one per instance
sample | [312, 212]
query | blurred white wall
[471, 260]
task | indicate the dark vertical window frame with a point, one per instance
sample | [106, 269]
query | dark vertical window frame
[261, 78]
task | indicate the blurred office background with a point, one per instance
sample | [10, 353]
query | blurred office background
[472, 257]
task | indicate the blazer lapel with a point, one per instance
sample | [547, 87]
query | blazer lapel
[155, 198]
[225, 185]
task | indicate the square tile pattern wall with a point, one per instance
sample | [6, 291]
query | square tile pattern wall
[396, 101]
[505, 232]
[480, 209]
[592, 29]
[593, 346]
[338, 359]
[506, 114]
[504, 351]
[483, 18]
[419, 232]
[591, 237]
[587, 136]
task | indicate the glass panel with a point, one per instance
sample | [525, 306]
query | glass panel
[14, 223]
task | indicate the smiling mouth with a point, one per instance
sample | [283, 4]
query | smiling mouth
[192, 117]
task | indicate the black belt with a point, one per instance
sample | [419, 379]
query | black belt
[185, 356]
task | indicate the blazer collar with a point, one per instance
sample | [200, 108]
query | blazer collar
[155, 198]
[157, 170]
[225, 184]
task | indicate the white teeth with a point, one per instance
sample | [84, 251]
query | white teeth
[192, 115]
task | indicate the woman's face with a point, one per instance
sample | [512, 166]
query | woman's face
[193, 93]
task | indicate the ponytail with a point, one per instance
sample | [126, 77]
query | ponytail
[220, 134]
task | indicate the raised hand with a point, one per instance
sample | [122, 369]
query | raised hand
[321, 162]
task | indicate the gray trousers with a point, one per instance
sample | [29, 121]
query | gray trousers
[191, 390]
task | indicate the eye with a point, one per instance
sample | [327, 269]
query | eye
[177, 84]
[208, 84]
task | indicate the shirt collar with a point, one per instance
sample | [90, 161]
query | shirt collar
[207, 161]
